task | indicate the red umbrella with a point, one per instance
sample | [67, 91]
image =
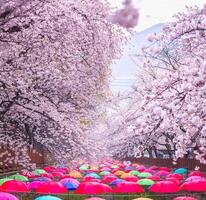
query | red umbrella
[47, 175]
[131, 178]
[14, 186]
[165, 169]
[49, 169]
[7, 196]
[185, 198]
[57, 174]
[154, 178]
[127, 187]
[164, 187]
[176, 176]
[108, 178]
[194, 186]
[92, 188]
[51, 188]
[154, 167]
[196, 173]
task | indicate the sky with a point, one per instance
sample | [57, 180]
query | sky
[158, 11]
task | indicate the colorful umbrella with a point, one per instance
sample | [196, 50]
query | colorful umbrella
[181, 171]
[117, 181]
[134, 172]
[131, 178]
[162, 173]
[144, 175]
[69, 180]
[128, 187]
[194, 186]
[193, 178]
[75, 174]
[47, 198]
[104, 173]
[57, 174]
[108, 178]
[94, 175]
[196, 173]
[92, 188]
[52, 188]
[164, 169]
[71, 186]
[34, 185]
[154, 167]
[154, 178]
[145, 182]
[49, 169]
[141, 168]
[19, 177]
[176, 176]
[14, 186]
[184, 198]
[42, 179]
[7, 196]
[39, 171]
[164, 187]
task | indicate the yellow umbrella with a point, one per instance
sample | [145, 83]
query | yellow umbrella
[125, 175]
[75, 174]
[119, 173]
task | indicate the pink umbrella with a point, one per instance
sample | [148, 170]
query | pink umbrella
[131, 178]
[149, 171]
[71, 180]
[162, 173]
[57, 174]
[173, 180]
[14, 186]
[108, 178]
[52, 188]
[164, 169]
[154, 167]
[128, 187]
[154, 178]
[176, 176]
[194, 186]
[49, 169]
[141, 168]
[185, 198]
[193, 178]
[196, 173]
[47, 175]
[7, 196]
[164, 187]
[34, 185]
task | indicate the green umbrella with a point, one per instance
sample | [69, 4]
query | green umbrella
[114, 166]
[84, 167]
[39, 171]
[144, 175]
[134, 172]
[19, 177]
[104, 173]
[3, 180]
[181, 171]
[145, 182]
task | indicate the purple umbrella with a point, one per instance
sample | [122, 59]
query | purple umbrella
[7, 196]
[34, 185]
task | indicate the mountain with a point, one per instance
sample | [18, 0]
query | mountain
[124, 69]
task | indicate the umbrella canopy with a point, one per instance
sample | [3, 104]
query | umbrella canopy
[42, 179]
[194, 186]
[131, 178]
[119, 173]
[162, 173]
[141, 168]
[184, 198]
[47, 198]
[117, 181]
[134, 172]
[71, 186]
[94, 175]
[108, 178]
[128, 187]
[181, 171]
[196, 173]
[154, 167]
[84, 167]
[104, 173]
[14, 186]
[52, 188]
[92, 188]
[144, 175]
[39, 171]
[176, 176]
[3, 180]
[145, 182]
[57, 174]
[19, 177]
[193, 178]
[34, 185]
[7, 196]
[47, 175]
[154, 178]
[164, 187]
[69, 180]
[75, 174]
[165, 169]
[49, 169]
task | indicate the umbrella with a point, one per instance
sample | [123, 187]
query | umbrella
[49, 169]
[14, 186]
[134, 172]
[154, 178]
[52, 188]
[125, 175]
[7, 196]
[19, 177]
[57, 174]
[34, 185]
[90, 179]
[181, 171]
[94, 175]
[131, 178]
[196, 173]
[184, 198]
[164, 169]
[164, 187]
[84, 167]
[173, 180]
[162, 173]
[141, 168]
[145, 182]
[92, 188]
[119, 173]
[95, 198]
[75, 174]
[176, 176]
[194, 186]
[144, 175]
[154, 167]
[193, 178]
[128, 187]
[104, 173]
[71, 186]
[47, 198]
[108, 178]
[39, 171]
[47, 175]
[69, 180]
[3, 180]
[42, 179]
[117, 181]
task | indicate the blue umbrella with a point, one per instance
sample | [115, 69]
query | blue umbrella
[71, 186]
[181, 171]
[115, 182]
[94, 175]
[47, 198]
[43, 179]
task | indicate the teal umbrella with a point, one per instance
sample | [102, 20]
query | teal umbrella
[48, 197]
[181, 171]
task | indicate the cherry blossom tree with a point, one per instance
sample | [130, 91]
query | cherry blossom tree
[54, 63]
[167, 106]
